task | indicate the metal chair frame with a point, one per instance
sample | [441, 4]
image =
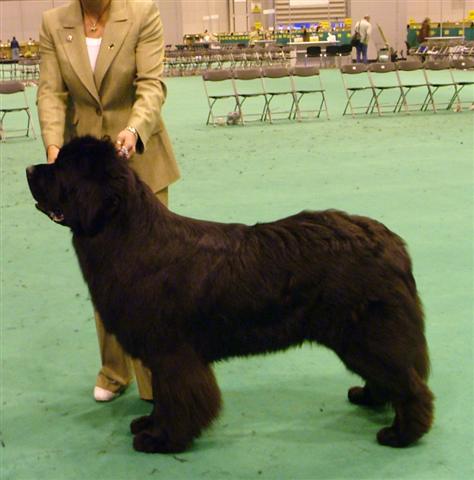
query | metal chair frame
[213, 76]
[248, 85]
[376, 73]
[274, 88]
[436, 85]
[313, 73]
[12, 87]
[457, 66]
[358, 69]
[405, 71]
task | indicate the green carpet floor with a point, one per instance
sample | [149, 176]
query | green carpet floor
[286, 416]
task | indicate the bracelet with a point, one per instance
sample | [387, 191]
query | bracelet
[133, 130]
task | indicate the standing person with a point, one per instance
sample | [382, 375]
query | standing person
[15, 47]
[101, 68]
[424, 30]
[364, 28]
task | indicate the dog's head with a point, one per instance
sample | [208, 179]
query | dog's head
[84, 187]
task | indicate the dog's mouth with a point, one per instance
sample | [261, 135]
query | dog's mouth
[55, 215]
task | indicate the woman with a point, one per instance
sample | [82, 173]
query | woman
[424, 30]
[101, 67]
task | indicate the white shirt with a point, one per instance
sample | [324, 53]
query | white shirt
[93, 46]
[365, 30]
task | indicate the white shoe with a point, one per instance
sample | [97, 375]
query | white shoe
[103, 395]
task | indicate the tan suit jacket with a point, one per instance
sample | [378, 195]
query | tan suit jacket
[124, 89]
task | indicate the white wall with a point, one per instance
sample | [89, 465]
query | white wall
[22, 18]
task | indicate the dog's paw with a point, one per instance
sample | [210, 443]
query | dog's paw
[357, 396]
[365, 397]
[139, 424]
[148, 443]
[390, 437]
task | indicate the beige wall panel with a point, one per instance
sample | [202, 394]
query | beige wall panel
[171, 16]
[194, 11]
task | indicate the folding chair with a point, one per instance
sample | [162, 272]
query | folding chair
[412, 78]
[383, 78]
[219, 87]
[345, 51]
[462, 73]
[278, 85]
[18, 102]
[28, 70]
[438, 77]
[313, 52]
[307, 81]
[250, 92]
[356, 83]
[332, 52]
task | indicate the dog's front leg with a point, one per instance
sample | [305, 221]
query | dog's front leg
[186, 399]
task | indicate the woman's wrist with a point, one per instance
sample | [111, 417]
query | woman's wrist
[132, 130]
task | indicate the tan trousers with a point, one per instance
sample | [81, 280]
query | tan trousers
[117, 367]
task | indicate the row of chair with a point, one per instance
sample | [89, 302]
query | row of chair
[256, 92]
[366, 88]
[444, 50]
[330, 53]
[25, 69]
[441, 83]
[191, 62]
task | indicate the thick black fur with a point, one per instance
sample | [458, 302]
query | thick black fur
[181, 293]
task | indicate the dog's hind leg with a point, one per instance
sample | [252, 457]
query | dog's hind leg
[413, 413]
[186, 400]
[400, 385]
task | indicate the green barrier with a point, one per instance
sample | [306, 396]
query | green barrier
[468, 33]
[343, 37]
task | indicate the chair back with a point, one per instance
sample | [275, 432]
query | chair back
[247, 73]
[354, 69]
[248, 81]
[333, 50]
[411, 73]
[383, 75]
[11, 86]
[314, 51]
[409, 65]
[462, 63]
[345, 49]
[216, 75]
[302, 71]
[381, 67]
[275, 72]
[436, 65]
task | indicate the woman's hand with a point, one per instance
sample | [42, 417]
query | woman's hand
[52, 153]
[126, 143]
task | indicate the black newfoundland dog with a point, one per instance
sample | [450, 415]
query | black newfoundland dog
[181, 293]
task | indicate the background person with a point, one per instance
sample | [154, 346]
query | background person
[364, 28]
[424, 30]
[15, 47]
[100, 74]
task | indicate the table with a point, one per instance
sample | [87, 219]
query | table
[301, 47]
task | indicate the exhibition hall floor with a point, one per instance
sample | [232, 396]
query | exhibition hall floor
[286, 415]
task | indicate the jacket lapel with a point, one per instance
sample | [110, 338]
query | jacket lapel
[74, 42]
[114, 35]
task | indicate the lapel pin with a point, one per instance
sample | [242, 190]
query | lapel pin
[69, 38]
[111, 46]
